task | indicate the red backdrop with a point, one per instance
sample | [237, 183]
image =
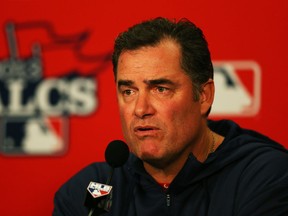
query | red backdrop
[236, 31]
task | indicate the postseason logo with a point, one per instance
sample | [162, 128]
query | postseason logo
[98, 189]
[35, 110]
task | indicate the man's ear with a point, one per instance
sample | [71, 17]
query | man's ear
[207, 96]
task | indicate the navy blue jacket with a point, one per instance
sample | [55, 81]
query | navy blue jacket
[246, 175]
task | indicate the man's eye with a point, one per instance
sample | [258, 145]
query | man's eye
[161, 89]
[127, 92]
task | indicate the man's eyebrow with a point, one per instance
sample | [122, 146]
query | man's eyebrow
[151, 82]
[124, 83]
[159, 81]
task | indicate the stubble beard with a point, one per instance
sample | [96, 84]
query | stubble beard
[165, 161]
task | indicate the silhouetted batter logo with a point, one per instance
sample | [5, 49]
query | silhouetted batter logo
[35, 109]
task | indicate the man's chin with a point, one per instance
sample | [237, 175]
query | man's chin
[154, 161]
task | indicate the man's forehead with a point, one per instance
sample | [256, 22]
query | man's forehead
[151, 54]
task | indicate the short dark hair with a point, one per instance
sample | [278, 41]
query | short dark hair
[195, 55]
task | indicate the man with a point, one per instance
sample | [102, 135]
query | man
[181, 163]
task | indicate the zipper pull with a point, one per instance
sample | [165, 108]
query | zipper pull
[168, 200]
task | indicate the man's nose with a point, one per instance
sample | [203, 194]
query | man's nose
[144, 106]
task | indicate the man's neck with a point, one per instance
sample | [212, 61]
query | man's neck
[167, 173]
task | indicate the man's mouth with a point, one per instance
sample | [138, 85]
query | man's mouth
[145, 130]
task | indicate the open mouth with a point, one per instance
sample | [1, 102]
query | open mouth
[144, 129]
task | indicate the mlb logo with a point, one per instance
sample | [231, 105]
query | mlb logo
[98, 189]
[237, 88]
[33, 135]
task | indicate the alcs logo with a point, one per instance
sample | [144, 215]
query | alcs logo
[34, 111]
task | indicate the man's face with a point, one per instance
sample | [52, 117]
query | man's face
[160, 119]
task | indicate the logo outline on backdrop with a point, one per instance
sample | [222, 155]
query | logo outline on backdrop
[232, 97]
[36, 109]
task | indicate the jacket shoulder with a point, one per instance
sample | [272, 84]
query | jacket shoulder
[263, 186]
